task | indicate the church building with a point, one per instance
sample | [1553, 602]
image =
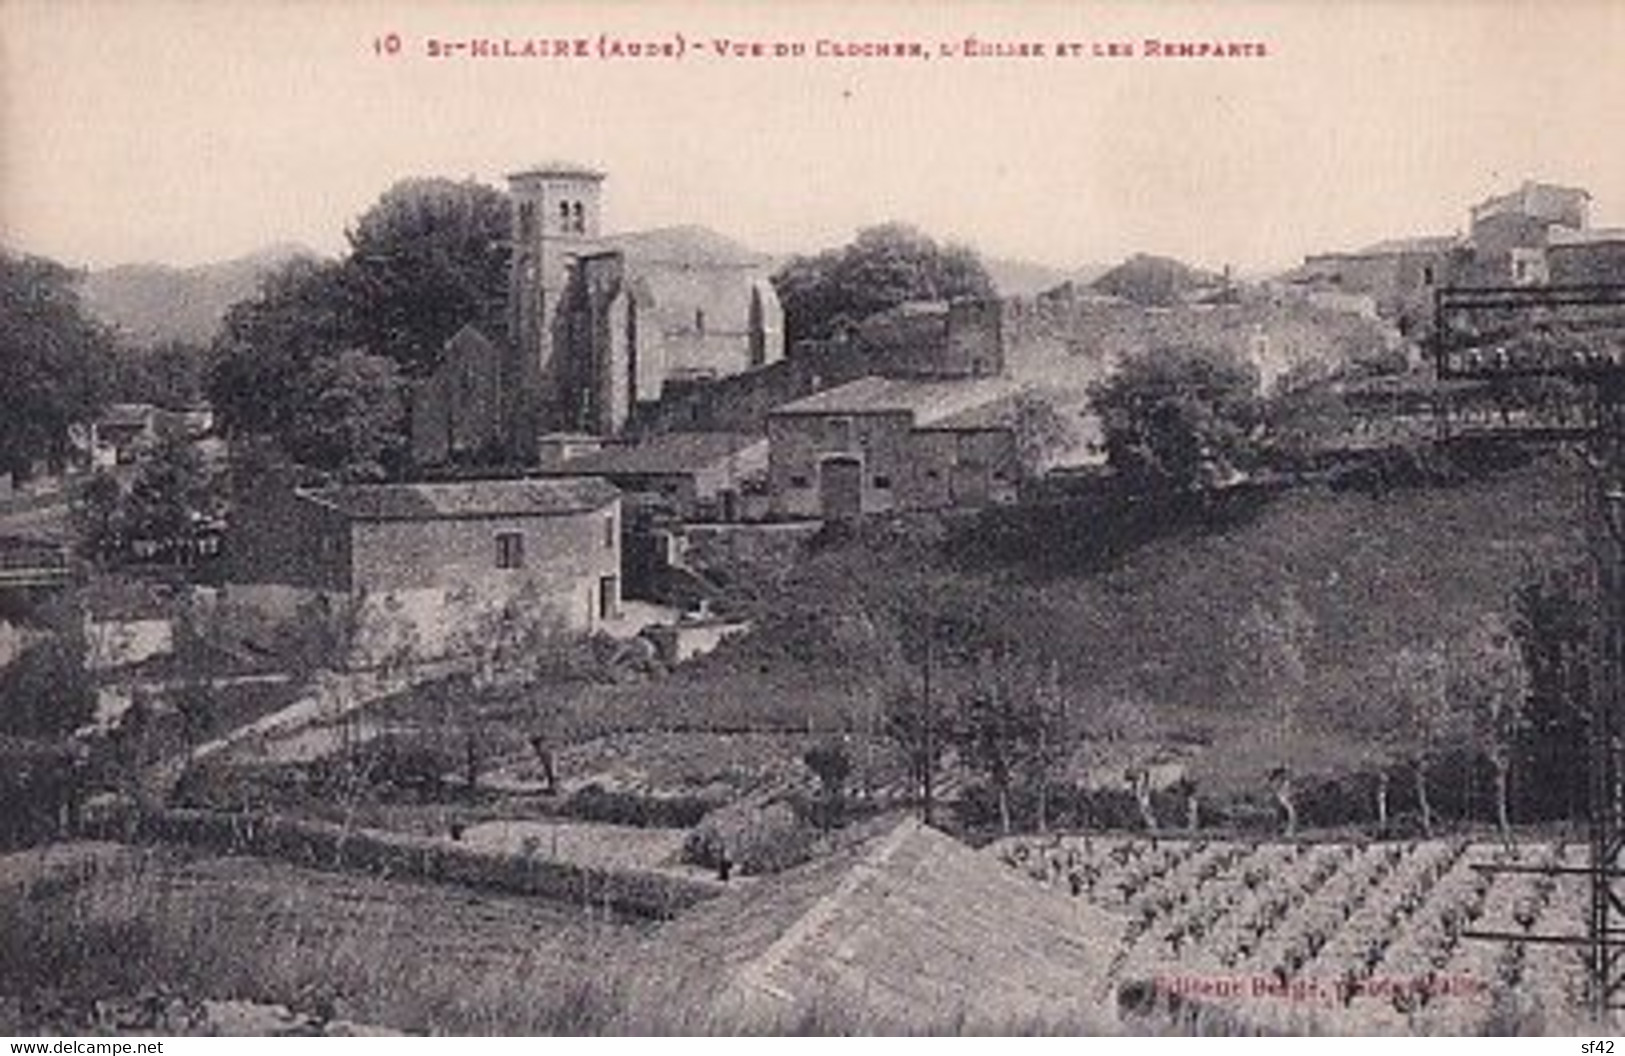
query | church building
[596, 326]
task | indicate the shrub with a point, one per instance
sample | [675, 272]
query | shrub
[755, 837]
[596, 803]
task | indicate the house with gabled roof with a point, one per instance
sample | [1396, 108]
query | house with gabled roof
[419, 568]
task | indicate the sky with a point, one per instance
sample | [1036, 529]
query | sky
[185, 132]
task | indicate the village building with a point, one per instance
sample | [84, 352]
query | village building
[422, 569]
[889, 445]
[1536, 234]
[597, 326]
[713, 476]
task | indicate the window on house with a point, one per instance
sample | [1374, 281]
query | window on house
[564, 216]
[580, 216]
[510, 550]
[609, 597]
[1427, 275]
[798, 480]
[609, 532]
[882, 481]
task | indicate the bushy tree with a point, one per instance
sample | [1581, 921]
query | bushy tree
[320, 359]
[350, 420]
[53, 360]
[269, 345]
[1153, 281]
[47, 692]
[1178, 418]
[885, 266]
[429, 257]
[174, 493]
[172, 375]
[1043, 430]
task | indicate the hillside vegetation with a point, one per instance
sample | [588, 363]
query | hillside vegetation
[1148, 615]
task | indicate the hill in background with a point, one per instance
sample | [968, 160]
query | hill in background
[1022, 278]
[151, 304]
[1151, 280]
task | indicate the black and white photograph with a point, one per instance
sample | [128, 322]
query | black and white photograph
[548, 518]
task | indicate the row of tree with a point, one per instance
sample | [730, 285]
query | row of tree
[983, 674]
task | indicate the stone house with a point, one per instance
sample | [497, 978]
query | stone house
[424, 568]
[883, 445]
[712, 476]
[1538, 233]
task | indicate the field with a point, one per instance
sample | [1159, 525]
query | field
[1334, 938]
[414, 957]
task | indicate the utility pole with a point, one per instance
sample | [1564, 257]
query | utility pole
[1575, 334]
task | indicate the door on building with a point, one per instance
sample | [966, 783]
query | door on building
[609, 597]
[840, 487]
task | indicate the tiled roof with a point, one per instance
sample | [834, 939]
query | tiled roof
[1557, 235]
[1423, 244]
[666, 453]
[927, 400]
[910, 927]
[475, 498]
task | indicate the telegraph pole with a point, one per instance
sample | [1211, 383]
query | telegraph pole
[1576, 335]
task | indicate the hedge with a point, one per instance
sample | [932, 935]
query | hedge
[324, 845]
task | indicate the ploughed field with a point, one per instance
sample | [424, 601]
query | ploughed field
[1335, 938]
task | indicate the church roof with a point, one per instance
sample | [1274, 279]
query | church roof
[465, 499]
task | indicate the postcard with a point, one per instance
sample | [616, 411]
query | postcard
[938, 518]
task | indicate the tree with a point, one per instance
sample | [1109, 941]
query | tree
[991, 729]
[429, 257]
[172, 375]
[98, 517]
[1552, 624]
[1269, 664]
[320, 359]
[1418, 695]
[910, 720]
[47, 692]
[1013, 726]
[52, 357]
[267, 346]
[1043, 431]
[830, 763]
[1153, 281]
[1178, 418]
[173, 495]
[1490, 684]
[885, 266]
[349, 423]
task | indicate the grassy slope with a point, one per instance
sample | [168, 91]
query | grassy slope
[1155, 631]
[1147, 642]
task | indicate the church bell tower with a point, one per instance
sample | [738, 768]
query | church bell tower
[556, 210]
